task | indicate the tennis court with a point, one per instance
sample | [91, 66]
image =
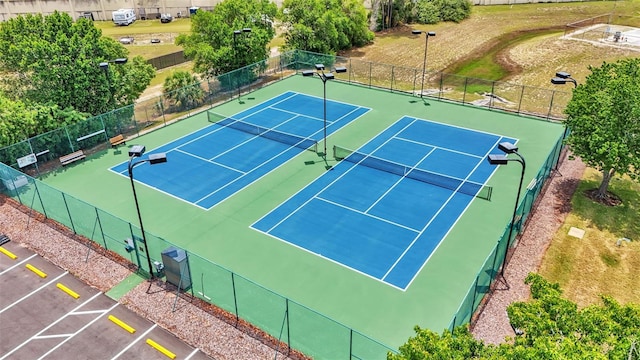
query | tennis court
[213, 163]
[396, 198]
[345, 282]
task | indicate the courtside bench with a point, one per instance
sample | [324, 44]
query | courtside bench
[117, 140]
[74, 156]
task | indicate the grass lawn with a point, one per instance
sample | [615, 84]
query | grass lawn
[595, 264]
[489, 34]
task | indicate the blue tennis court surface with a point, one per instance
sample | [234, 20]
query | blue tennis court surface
[213, 163]
[378, 212]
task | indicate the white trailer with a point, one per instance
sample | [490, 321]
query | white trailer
[123, 16]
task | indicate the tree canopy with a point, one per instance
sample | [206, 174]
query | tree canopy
[212, 44]
[183, 90]
[325, 26]
[552, 328]
[54, 60]
[604, 119]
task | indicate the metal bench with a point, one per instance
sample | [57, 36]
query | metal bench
[117, 140]
[74, 156]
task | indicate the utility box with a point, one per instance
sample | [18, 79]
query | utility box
[176, 267]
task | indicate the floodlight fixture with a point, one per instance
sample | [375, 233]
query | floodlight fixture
[428, 34]
[136, 150]
[308, 73]
[495, 159]
[319, 66]
[157, 158]
[507, 147]
[563, 74]
[340, 69]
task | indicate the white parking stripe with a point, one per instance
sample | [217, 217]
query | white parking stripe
[134, 342]
[33, 292]
[77, 332]
[18, 264]
[48, 327]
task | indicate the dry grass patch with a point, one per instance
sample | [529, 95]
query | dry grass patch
[538, 58]
[598, 263]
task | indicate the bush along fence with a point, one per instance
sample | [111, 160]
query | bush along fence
[278, 316]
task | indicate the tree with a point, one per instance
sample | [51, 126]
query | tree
[54, 60]
[183, 90]
[324, 26]
[215, 49]
[604, 120]
[552, 328]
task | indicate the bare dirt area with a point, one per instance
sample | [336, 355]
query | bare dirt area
[201, 325]
[492, 325]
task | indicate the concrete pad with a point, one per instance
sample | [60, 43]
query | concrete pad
[575, 232]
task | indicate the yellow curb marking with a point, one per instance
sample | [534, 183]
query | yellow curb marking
[35, 270]
[161, 349]
[71, 293]
[122, 324]
[8, 253]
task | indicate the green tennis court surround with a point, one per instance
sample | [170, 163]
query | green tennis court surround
[314, 305]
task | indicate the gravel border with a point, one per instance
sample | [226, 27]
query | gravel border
[204, 326]
[491, 324]
[217, 333]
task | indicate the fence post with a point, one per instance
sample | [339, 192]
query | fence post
[35, 184]
[521, 97]
[441, 85]
[235, 298]
[493, 86]
[553, 93]
[64, 198]
[464, 92]
[104, 241]
[370, 73]
[392, 76]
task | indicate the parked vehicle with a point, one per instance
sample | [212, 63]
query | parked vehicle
[166, 18]
[123, 16]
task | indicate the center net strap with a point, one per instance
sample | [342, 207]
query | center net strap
[448, 182]
[279, 136]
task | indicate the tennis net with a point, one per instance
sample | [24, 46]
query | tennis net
[448, 182]
[279, 136]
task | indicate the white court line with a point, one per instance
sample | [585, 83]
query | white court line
[33, 292]
[134, 342]
[325, 187]
[48, 327]
[397, 182]
[209, 161]
[438, 147]
[20, 263]
[366, 214]
[259, 166]
[51, 336]
[319, 191]
[446, 203]
[79, 331]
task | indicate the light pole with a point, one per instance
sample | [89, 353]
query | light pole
[105, 67]
[235, 52]
[561, 78]
[324, 77]
[494, 159]
[428, 34]
[135, 152]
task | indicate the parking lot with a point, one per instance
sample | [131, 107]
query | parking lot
[46, 313]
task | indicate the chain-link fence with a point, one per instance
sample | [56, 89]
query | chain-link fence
[282, 318]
